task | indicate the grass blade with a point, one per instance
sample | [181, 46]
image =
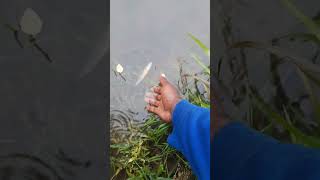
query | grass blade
[198, 61]
[205, 49]
[287, 117]
[274, 116]
[308, 22]
[313, 98]
[302, 36]
[302, 63]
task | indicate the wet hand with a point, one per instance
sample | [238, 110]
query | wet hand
[163, 99]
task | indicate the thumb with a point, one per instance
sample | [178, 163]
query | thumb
[163, 80]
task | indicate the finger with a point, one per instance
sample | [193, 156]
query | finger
[148, 99]
[153, 109]
[150, 95]
[158, 97]
[153, 102]
[156, 89]
[163, 80]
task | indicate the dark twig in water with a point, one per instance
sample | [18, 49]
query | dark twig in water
[32, 40]
[122, 77]
[62, 156]
[16, 37]
[15, 34]
[115, 72]
[42, 51]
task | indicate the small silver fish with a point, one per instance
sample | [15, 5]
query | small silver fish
[144, 73]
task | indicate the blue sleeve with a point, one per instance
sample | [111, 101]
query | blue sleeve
[191, 136]
[242, 153]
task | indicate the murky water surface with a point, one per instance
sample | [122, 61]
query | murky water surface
[48, 110]
[152, 31]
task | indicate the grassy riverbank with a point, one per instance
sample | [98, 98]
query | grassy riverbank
[144, 153]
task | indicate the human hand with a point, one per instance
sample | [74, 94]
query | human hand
[163, 99]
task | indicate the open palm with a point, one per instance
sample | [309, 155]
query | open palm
[163, 99]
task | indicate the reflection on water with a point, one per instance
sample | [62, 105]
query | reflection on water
[22, 166]
[121, 121]
[26, 166]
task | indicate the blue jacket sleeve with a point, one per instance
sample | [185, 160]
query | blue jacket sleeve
[191, 136]
[242, 153]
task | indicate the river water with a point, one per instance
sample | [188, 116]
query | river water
[58, 102]
[53, 114]
[152, 31]
[53, 123]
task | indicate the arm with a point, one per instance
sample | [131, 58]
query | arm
[242, 153]
[191, 136]
[191, 125]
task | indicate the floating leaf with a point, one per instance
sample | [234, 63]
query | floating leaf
[31, 23]
[119, 68]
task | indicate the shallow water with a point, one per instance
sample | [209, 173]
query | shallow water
[152, 31]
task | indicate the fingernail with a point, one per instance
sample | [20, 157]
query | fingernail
[163, 75]
[149, 99]
[149, 94]
[146, 99]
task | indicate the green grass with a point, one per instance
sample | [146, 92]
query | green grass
[145, 154]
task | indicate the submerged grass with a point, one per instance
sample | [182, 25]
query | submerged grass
[280, 116]
[145, 154]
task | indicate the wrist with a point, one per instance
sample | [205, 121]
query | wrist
[219, 123]
[220, 120]
[174, 104]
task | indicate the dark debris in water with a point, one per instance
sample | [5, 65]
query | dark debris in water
[32, 40]
[30, 167]
[24, 166]
[62, 156]
[120, 74]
